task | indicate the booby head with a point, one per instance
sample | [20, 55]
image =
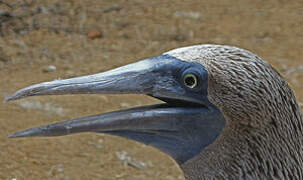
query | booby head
[207, 91]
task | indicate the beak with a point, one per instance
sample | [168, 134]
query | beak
[147, 119]
[136, 78]
[168, 127]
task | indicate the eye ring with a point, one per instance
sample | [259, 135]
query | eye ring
[190, 80]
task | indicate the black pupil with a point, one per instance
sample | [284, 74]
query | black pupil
[190, 81]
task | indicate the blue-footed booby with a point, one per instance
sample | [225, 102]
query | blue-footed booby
[226, 113]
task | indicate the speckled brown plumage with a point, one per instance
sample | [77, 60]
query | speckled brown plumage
[263, 135]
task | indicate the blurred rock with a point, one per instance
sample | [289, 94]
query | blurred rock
[5, 14]
[188, 14]
[57, 172]
[37, 105]
[95, 33]
[115, 7]
[50, 68]
[128, 160]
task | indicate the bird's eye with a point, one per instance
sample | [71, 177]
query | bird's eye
[190, 80]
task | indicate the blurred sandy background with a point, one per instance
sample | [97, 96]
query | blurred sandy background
[49, 39]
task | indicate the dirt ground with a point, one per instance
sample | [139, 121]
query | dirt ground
[50, 39]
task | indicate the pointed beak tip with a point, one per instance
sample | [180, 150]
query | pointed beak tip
[14, 136]
[26, 133]
[9, 98]
[13, 97]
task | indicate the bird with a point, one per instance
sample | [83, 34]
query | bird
[225, 112]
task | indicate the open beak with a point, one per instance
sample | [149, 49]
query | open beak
[166, 126]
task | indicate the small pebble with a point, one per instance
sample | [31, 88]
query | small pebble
[5, 13]
[94, 33]
[112, 8]
[50, 68]
[189, 14]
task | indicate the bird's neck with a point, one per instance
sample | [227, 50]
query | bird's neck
[216, 160]
[250, 153]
